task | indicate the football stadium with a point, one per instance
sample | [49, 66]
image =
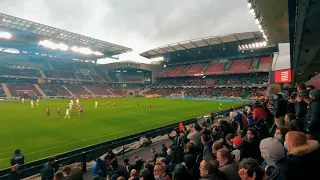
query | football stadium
[216, 101]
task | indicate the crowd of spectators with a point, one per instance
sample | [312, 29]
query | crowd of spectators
[53, 89]
[82, 76]
[266, 140]
[19, 72]
[59, 74]
[77, 89]
[2, 93]
[23, 89]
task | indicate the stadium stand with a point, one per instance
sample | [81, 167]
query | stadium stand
[2, 93]
[60, 74]
[19, 89]
[63, 66]
[19, 72]
[176, 71]
[264, 64]
[240, 66]
[194, 69]
[82, 76]
[77, 89]
[99, 89]
[53, 89]
[215, 68]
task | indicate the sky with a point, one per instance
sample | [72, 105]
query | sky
[138, 24]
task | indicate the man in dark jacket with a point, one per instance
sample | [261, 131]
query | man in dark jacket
[209, 170]
[72, 173]
[301, 109]
[227, 164]
[118, 170]
[313, 115]
[302, 155]
[192, 167]
[291, 104]
[47, 172]
[207, 143]
[138, 163]
[17, 158]
[279, 110]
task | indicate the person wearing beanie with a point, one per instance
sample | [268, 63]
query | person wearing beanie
[180, 173]
[17, 158]
[273, 153]
[313, 115]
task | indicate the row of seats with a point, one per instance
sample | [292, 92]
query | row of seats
[234, 66]
[22, 89]
[19, 72]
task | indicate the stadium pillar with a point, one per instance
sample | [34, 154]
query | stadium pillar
[84, 162]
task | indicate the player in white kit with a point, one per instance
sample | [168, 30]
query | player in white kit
[31, 102]
[67, 114]
[70, 106]
[71, 101]
[96, 104]
[22, 100]
[77, 101]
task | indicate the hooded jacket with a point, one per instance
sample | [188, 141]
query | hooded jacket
[302, 159]
[17, 158]
[280, 107]
[231, 170]
[259, 112]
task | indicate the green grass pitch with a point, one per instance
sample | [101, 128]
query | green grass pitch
[26, 128]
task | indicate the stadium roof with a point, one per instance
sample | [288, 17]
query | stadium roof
[201, 42]
[32, 32]
[273, 17]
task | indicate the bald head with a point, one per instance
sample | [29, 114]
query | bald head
[295, 139]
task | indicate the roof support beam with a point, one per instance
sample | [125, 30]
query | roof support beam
[183, 46]
[173, 48]
[209, 44]
[194, 44]
[163, 50]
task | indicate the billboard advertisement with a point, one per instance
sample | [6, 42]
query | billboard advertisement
[281, 76]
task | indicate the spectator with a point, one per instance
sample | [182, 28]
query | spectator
[47, 171]
[227, 164]
[226, 127]
[239, 148]
[146, 175]
[180, 140]
[229, 138]
[302, 88]
[164, 150]
[303, 154]
[17, 158]
[160, 172]
[121, 178]
[133, 175]
[259, 112]
[280, 134]
[280, 109]
[72, 174]
[313, 115]
[215, 147]
[252, 144]
[207, 143]
[250, 169]
[180, 173]
[291, 122]
[273, 153]
[189, 149]
[310, 87]
[209, 170]
[301, 108]
[99, 167]
[191, 164]
[138, 163]
[154, 154]
[109, 157]
[291, 104]
[118, 170]
[195, 136]
[59, 176]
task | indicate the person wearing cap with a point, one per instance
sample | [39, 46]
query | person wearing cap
[17, 158]
[279, 110]
[313, 115]
[239, 148]
[47, 171]
[303, 156]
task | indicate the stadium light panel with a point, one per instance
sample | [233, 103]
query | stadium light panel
[246, 46]
[265, 36]
[249, 5]
[257, 44]
[85, 51]
[5, 35]
[253, 45]
[257, 21]
[250, 46]
[252, 11]
[259, 26]
[97, 53]
[75, 48]
[261, 44]
[261, 30]
[243, 47]
[62, 47]
[264, 43]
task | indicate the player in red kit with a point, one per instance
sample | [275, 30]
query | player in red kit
[114, 105]
[150, 107]
[58, 111]
[48, 113]
[80, 113]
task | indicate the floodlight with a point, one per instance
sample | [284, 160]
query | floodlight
[257, 21]
[249, 5]
[253, 45]
[246, 46]
[265, 36]
[75, 48]
[62, 47]
[264, 43]
[257, 44]
[85, 51]
[5, 35]
[97, 53]
[239, 47]
[250, 46]
[261, 44]
[261, 30]
[252, 11]
[259, 26]
[243, 47]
